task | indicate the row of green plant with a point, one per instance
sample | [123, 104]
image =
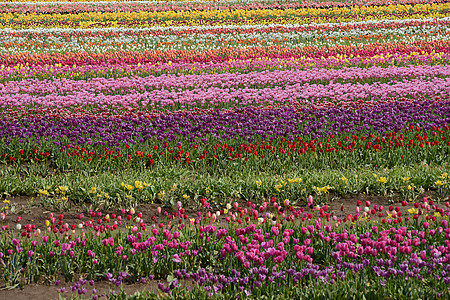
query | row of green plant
[171, 184]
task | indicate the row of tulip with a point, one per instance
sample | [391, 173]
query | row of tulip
[223, 17]
[382, 136]
[218, 29]
[51, 7]
[127, 112]
[185, 127]
[209, 39]
[218, 97]
[87, 72]
[370, 52]
[257, 249]
[126, 85]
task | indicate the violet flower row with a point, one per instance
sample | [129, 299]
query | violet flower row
[249, 124]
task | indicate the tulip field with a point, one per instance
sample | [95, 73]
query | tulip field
[225, 149]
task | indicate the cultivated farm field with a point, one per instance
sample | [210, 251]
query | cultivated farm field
[225, 149]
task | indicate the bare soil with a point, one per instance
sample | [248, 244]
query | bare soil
[32, 212]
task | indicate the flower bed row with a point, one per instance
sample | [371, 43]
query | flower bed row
[222, 54]
[172, 82]
[50, 72]
[307, 131]
[222, 17]
[51, 7]
[197, 38]
[257, 249]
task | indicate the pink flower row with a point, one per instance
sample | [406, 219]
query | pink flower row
[215, 96]
[221, 80]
